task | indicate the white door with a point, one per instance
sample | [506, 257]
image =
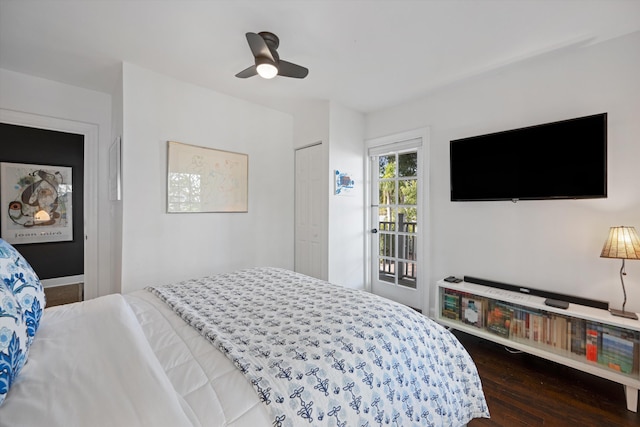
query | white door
[308, 211]
[395, 223]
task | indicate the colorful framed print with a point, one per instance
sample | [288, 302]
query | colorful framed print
[36, 203]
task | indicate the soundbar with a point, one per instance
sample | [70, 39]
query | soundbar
[539, 293]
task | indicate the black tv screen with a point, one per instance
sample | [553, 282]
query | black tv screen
[559, 160]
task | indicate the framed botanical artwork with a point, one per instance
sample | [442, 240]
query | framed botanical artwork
[36, 203]
[201, 179]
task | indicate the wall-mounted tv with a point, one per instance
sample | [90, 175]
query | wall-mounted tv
[560, 160]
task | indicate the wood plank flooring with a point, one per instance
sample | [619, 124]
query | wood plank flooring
[524, 390]
[65, 294]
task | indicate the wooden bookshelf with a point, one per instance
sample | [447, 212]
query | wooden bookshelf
[584, 338]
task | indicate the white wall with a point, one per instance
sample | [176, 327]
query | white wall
[311, 122]
[48, 99]
[551, 245]
[341, 131]
[311, 126]
[346, 213]
[115, 206]
[160, 248]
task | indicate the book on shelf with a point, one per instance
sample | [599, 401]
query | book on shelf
[613, 347]
[617, 353]
[591, 346]
[499, 318]
[473, 311]
[518, 326]
[578, 336]
[559, 332]
[620, 349]
[451, 304]
[521, 325]
[536, 326]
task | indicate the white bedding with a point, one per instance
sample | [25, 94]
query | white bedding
[100, 371]
[214, 390]
[148, 368]
[321, 354]
[128, 361]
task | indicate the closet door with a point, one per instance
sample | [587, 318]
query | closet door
[308, 215]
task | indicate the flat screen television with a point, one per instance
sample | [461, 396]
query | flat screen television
[560, 160]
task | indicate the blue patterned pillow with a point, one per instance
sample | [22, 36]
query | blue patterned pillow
[13, 339]
[19, 277]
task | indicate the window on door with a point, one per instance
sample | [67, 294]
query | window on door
[397, 218]
[395, 221]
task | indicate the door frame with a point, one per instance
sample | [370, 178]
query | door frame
[423, 197]
[90, 133]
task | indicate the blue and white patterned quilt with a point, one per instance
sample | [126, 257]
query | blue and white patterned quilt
[320, 354]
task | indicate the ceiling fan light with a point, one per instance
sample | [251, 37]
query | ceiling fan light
[266, 69]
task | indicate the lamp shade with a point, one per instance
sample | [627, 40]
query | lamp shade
[266, 68]
[623, 242]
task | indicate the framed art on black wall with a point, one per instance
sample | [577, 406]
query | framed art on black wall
[36, 203]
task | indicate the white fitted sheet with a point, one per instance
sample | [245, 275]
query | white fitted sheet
[91, 365]
[215, 391]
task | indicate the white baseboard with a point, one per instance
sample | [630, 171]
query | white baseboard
[61, 281]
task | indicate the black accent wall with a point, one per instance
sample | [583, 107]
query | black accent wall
[21, 144]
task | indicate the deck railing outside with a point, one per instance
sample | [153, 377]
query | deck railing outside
[405, 254]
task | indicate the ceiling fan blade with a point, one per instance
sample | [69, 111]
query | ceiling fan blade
[249, 72]
[287, 69]
[259, 47]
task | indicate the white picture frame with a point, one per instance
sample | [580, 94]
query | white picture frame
[201, 179]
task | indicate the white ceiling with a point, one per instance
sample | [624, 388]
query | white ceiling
[366, 55]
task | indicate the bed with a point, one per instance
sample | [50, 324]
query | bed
[256, 347]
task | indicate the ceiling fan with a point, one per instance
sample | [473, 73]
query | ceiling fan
[268, 64]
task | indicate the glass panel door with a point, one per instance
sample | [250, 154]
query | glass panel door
[394, 217]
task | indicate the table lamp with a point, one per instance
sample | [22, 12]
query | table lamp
[623, 243]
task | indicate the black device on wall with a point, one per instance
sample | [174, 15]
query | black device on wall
[560, 160]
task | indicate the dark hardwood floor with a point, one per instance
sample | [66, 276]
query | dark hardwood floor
[65, 294]
[525, 390]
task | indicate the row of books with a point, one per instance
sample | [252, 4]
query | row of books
[617, 348]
